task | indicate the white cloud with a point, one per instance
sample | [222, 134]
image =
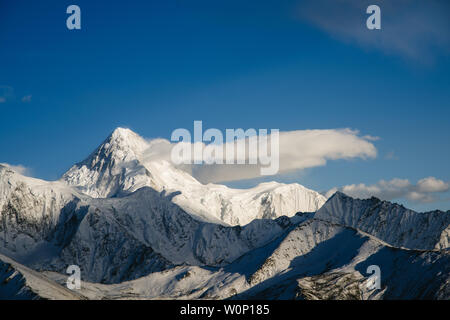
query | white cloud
[423, 191]
[2, 99]
[299, 150]
[431, 184]
[18, 168]
[420, 197]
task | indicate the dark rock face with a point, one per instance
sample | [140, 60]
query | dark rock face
[13, 284]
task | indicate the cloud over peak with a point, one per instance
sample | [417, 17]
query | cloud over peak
[300, 149]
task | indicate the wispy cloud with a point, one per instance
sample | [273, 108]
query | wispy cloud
[416, 29]
[425, 190]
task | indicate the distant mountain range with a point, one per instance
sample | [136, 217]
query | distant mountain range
[146, 229]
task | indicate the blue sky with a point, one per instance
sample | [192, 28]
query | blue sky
[155, 66]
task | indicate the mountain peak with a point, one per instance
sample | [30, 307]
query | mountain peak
[337, 196]
[124, 140]
[122, 132]
[113, 167]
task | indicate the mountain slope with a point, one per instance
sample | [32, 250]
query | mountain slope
[321, 260]
[18, 282]
[30, 209]
[315, 260]
[124, 238]
[390, 222]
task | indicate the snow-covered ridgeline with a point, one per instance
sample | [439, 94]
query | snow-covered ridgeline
[30, 208]
[18, 282]
[389, 222]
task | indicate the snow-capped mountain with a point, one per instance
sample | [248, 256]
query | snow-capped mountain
[389, 222]
[145, 229]
[30, 209]
[119, 166]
